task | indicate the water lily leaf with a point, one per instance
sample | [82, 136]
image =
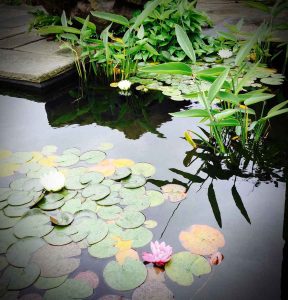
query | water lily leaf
[112, 199]
[72, 205]
[20, 278]
[8, 169]
[90, 277]
[15, 211]
[139, 236]
[33, 184]
[103, 249]
[5, 154]
[150, 224]
[74, 151]
[46, 283]
[272, 80]
[98, 191]
[131, 219]
[202, 239]
[56, 261]
[5, 193]
[152, 290]
[67, 160]
[114, 229]
[51, 201]
[137, 204]
[98, 232]
[62, 218]
[109, 212]
[91, 177]
[39, 173]
[7, 295]
[70, 289]
[7, 222]
[32, 296]
[155, 274]
[33, 223]
[134, 181]
[20, 157]
[49, 149]
[68, 194]
[123, 162]
[183, 265]
[132, 193]
[89, 205]
[123, 254]
[174, 192]
[144, 169]
[105, 167]
[93, 157]
[121, 173]
[74, 183]
[3, 204]
[3, 263]
[156, 198]
[127, 276]
[112, 297]
[57, 238]
[49, 161]
[105, 146]
[7, 239]
[20, 253]
[20, 198]
[18, 184]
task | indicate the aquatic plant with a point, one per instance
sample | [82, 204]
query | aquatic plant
[161, 254]
[53, 181]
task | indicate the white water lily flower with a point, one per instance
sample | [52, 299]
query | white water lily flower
[124, 85]
[225, 53]
[53, 181]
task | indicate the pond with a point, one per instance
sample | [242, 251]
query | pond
[247, 208]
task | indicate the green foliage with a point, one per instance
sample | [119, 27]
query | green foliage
[42, 19]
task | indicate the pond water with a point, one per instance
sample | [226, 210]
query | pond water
[141, 130]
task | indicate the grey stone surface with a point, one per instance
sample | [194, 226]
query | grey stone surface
[33, 67]
[19, 40]
[42, 47]
[8, 32]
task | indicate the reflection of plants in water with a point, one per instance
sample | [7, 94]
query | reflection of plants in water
[134, 115]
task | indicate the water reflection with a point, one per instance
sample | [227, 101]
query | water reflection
[133, 115]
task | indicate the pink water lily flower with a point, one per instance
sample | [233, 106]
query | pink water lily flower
[161, 254]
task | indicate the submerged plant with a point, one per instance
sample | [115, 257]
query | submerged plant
[161, 254]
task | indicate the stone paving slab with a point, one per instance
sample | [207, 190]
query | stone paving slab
[19, 40]
[32, 67]
[8, 32]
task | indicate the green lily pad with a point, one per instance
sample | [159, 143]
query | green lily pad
[93, 157]
[33, 184]
[92, 178]
[20, 253]
[70, 289]
[7, 222]
[15, 211]
[33, 223]
[74, 151]
[18, 184]
[108, 182]
[150, 224]
[89, 205]
[3, 204]
[103, 249]
[131, 219]
[74, 183]
[140, 236]
[134, 181]
[39, 173]
[112, 199]
[156, 198]
[62, 218]
[116, 187]
[98, 232]
[183, 265]
[51, 201]
[124, 277]
[57, 238]
[272, 80]
[3, 263]
[46, 283]
[29, 167]
[109, 212]
[98, 191]
[67, 160]
[20, 278]
[5, 193]
[49, 149]
[136, 204]
[20, 157]
[68, 194]
[72, 205]
[121, 173]
[20, 198]
[7, 239]
[144, 169]
[56, 261]
[132, 193]
[105, 146]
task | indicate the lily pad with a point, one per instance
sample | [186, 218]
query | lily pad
[90, 277]
[20, 253]
[72, 205]
[124, 277]
[49, 149]
[272, 80]
[46, 283]
[150, 224]
[152, 290]
[183, 265]
[93, 157]
[20, 278]
[20, 157]
[33, 223]
[105, 146]
[136, 204]
[56, 261]
[3, 263]
[112, 199]
[123, 254]
[18, 184]
[20, 198]
[51, 201]
[89, 205]
[144, 169]
[57, 238]
[74, 183]
[62, 218]
[98, 232]
[139, 236]
[74, 151]
[91, 177]
[134, 181]
[156, 198]
[98, 191]
[202, 239]
[7, 222]
[7, 239]
[109, 212]
[174, 192]
[131, 219]
[103, 249]
[70, 289]
[67, 160]
[121, 173]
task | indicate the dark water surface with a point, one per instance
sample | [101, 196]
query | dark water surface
[144, 132]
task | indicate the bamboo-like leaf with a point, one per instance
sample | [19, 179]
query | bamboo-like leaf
[90, 25]
[214, 204]
[57, 29]
[226, 122]
[228, 97]
[212, 79]
[277, 107]
[239, 203]
[276, 113]
[150, 49]
[251, 72]
[111, 17]
[217, 85]
[141, 32]
[169, 68]
[194, 113]
[225, 114]
[259, 5]
[211, 72]
[258, 98]
[64, 19]
[184, 42]
[189, 139]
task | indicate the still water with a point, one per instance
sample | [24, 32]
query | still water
[142, 130]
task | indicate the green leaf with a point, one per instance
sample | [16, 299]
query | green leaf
[141, 32]
[193, 113]
[276, 113]
[150, 49]
[217, 85]
[131, 219]
[89, 24]
[169, 68]
[103, 249]
[144, 169]
[227, 122]
[259, 5]
[140, 236]
[45, 283]
[258, 98]
[57, 29]
[64, 19]
[277, 107]
[110, 17]
[224, 114]
[134, 181]
[185, 43]
[211, 71]
[155, 197]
